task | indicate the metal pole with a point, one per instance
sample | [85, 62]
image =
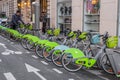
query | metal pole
[36, 16]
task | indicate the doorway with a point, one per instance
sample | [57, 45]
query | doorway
[44, 14]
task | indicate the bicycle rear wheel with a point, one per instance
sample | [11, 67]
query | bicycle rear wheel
[56, 58]
[30, 45]
[23, 43]
[21, 30]
[46, 54]
[69, 63]
[106, 65]
[12, 38]
[39, 51]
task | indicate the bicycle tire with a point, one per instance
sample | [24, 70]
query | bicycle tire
[39, 51]
[12, 38]
[20, 30]
[23, 43]
[71, 62]
[56, 59]
[30, 45]
[47, 55]
[105, 62]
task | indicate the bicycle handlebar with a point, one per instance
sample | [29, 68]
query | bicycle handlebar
[36, 29]
[92, 31]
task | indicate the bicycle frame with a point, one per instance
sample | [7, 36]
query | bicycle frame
[90, 61]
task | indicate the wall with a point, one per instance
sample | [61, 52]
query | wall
[0, 6]
[5, 7]
[108, 16]
[11, 8]
[8, 6]
[53, 13]
[77, 14]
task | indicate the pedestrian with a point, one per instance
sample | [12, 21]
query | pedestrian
[16, 18]
[44, 20]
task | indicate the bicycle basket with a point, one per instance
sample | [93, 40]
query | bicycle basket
[21, 25]
[83, 35]
[112, 42]
[72, 35]
[30, 27]
[95, 39]
[56, 32]
[49, 32]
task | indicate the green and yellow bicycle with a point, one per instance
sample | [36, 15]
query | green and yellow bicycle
[73, 59]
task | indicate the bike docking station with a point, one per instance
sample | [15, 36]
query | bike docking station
[114, 57]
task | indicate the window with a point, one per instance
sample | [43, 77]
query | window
[43, 8]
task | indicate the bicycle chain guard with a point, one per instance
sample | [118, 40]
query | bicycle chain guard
[85, 61]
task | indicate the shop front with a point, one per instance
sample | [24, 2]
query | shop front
[25, 7]
[80, 14]
[44, 18]
[91, 14]
[64, 14]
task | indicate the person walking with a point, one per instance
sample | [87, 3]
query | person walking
[16, 18]
[44, 20]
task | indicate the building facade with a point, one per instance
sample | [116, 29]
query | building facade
[9, 7]
[0, 5]
[26, 8]
[98, 15]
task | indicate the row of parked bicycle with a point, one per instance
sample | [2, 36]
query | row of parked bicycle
[72, 51]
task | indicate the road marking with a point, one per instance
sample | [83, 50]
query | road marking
[71, 79]
[0, 60]
[103, 78]
[9, 76]
[28, 52]
[34, 56]
[18, 52]
[45, 63]
[97, 73]
[10, 51]
[3, 45]
[34, 70]
[94, 72]
[8, 40]
[11, 43]
[58, 71]
[40, 76]
[5, 53]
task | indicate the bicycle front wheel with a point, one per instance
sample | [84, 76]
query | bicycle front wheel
[13, 38]
[69, 63]
[30, 45]
[23, 43]
[39, 51]
[46, 54]
[56, 58]
[106, 65]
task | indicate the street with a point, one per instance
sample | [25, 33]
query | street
[16, 63]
